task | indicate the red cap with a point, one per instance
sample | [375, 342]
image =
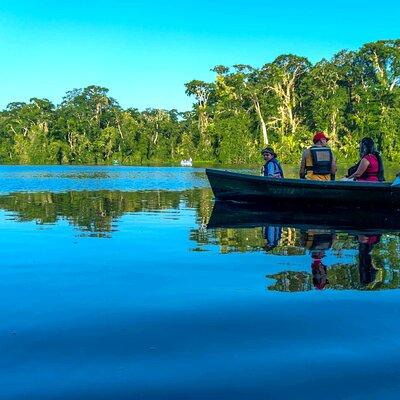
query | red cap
[318, 136]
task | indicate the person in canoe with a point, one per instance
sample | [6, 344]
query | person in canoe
[318, 162]
[370, 166]
[272, 168]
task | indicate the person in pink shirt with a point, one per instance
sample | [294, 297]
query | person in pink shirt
[370, 166]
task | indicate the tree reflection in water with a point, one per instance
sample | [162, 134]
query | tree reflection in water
[313, 234]
[375, 269]
[97, 213]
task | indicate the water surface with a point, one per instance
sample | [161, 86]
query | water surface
[112, 286]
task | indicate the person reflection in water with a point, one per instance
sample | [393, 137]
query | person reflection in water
[272, 236]
[317, 242]
[319, 270]
[365, 267]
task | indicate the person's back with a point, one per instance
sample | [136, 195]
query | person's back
[318, 161]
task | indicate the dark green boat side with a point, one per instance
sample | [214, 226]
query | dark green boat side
[232, 186]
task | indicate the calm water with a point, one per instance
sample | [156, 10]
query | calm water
[112, 286]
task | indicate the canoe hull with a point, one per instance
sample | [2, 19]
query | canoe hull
[230, 186]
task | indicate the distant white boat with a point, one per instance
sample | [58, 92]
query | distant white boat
[187, 163]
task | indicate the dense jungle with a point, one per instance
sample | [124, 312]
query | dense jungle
[352, 95]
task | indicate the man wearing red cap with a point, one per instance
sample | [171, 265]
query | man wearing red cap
[318, 162]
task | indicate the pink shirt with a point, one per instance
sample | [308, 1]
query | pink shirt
[371, 173]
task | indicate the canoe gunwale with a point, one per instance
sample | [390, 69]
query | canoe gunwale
[301, 183]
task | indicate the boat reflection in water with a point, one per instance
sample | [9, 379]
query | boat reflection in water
[373, 237]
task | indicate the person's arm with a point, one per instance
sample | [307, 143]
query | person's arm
[302, 172]
[362, 167]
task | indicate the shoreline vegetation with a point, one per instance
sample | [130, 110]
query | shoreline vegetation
[353, 95]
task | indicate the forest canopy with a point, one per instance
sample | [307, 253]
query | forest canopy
[245, 108]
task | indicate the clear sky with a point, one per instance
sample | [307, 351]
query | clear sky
[144, 51]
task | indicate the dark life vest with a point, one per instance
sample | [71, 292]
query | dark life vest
[322, 159]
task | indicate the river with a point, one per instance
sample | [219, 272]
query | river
[114, 286]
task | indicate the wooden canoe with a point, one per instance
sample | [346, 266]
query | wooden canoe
[232, 186]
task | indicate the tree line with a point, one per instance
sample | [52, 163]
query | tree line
[352, 95]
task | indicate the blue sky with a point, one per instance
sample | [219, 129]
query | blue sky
[144, 51]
